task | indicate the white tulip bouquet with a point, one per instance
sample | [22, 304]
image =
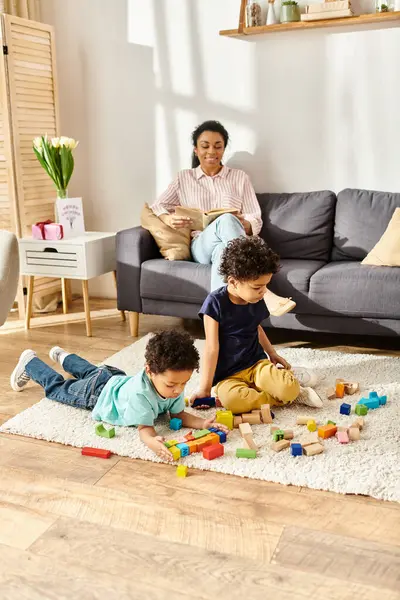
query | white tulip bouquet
[55, 156]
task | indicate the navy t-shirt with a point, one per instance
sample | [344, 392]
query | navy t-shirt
[239, 347]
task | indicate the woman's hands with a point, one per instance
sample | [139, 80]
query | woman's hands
[246, 224]
[175, 221]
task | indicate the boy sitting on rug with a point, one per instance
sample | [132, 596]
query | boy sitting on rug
[236, 344]
[117, 398]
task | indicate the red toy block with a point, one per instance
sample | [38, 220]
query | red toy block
[96, 452]
[211, 452]
[189, 437]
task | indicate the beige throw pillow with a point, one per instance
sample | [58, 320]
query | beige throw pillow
[174, 244]
[386, 253]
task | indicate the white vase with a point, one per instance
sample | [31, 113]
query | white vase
[271, 16]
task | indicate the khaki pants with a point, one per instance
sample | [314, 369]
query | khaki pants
[263, 383]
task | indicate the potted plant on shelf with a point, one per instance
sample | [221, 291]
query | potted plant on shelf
[290, 11]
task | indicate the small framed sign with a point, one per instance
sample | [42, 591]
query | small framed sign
[70, 216]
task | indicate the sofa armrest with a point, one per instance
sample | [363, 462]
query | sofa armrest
[134, 246]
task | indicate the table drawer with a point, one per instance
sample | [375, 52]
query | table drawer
[66, 260]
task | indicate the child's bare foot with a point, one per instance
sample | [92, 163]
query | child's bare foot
[157, 445]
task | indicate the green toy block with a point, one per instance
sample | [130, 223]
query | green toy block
[245, 453]
[170, 443]
[200, 433]
[278, 435]
[361, 410]
[331, 423]
[103, 432]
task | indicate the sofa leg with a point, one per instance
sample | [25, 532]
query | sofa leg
[134, 323]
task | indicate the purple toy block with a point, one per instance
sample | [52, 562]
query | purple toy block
[345, 409]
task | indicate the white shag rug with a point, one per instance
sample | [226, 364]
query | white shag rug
[369, 466]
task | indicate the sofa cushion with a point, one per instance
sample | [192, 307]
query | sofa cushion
[175, 281]
[361, 219]
[293, 279]
[299, 225]
[356, 290]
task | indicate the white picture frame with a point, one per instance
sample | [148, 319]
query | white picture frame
[70, 216]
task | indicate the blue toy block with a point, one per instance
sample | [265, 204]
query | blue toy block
[222, 436]
[382, 400]
[213, 430]
[373, 395]
[345, 409]
[207, 401]
[175, 424]
[184, 448]
[296, 449]
[370, 403]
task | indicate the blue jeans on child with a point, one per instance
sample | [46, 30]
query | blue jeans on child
[83, 391]
[208, 246]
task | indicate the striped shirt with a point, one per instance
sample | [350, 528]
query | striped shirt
[230, 188]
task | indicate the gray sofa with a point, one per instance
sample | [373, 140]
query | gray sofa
[321, 239]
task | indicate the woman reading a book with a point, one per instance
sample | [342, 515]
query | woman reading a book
[208, 186]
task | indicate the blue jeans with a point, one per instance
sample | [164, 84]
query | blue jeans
[83, 391]
[208, 246]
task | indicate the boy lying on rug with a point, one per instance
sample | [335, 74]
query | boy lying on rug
[236, 344]
[117, 398]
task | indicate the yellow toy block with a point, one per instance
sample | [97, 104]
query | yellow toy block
[186, 401]
[181, 470]
[311, 425]
[225, 417]
[176, 453]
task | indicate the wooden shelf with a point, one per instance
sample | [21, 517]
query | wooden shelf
[380, 18]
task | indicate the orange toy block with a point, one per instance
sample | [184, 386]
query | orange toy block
[237, 420]
[339, 389]
[203, 443]
[193, 446]
[252, 418]
[266, 413]
[281, 445]
[327, 431]
[313, 449]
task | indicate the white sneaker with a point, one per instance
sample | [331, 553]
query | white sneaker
[309, 397]
[305, 377]
[58, 354]
[19, 377]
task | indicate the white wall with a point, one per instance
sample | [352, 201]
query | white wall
[305, 111]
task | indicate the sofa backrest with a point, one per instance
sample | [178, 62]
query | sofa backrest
[299, 225]
[361, 219]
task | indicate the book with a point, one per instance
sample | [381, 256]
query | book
[201, 219]
[334, 14]
[70, 216]
[327, 6]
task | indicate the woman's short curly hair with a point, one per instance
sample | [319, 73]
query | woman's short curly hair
[173, 350]
[248, 258]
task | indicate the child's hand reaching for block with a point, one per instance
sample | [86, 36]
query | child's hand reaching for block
[208, 423]
[155, 442]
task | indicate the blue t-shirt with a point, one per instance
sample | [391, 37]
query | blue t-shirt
[126, 401]
[239, 347]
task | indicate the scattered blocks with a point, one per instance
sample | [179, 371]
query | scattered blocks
[354, 434]
[302, 420]
[279, 434]
[175, 451]
[345, 409]
[98, 452]
[313, 449]
[237, 420]
[339, 388]
[342, 437]
[184, 449]
[225, 417]
[175, 424]
[181, 471]
[103, 432]
[311, 425]
[245, 453]
[281, 445]
[207, 401]
[327, 431]
[266, 413]
[213, 451]
[296, 449]
[361, 409]
[252, 418]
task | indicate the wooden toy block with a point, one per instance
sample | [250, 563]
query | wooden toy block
[249, 443]
[311, 425]
[382, 400]
[278, 435]
[342, 428]
[175, 451]
[98, 452]
[170, 443]
[331, 423]
[361, 409]
[184, 449]
[237, 420]
[296, 449]
[214, 451]
[200, 433]
[342, 437]
[313, 449]
[307, 440]
[181, 470]
[251, 418]
[256, 411]
[207, 401]
[175, 424]
[225, 417]
[281, 445]
[339, 389]
[245, 429]
[103, 432]
[370, 403]
[222, 436]
[274, 428]
[354, 434]
[327, 431]
[288, 434]
[359, 422]
[351, 388]
[192, 447]
[245, 453]
[345, 409]
[302, 420]
[266, 413]
[331, 394]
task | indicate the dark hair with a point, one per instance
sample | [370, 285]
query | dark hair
[248, 258]
[215, 126]
[173, 350]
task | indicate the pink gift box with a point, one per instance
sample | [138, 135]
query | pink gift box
[47, 230]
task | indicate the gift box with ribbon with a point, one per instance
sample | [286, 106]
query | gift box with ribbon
[47, 230]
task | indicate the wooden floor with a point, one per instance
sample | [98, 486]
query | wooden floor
[84, 528]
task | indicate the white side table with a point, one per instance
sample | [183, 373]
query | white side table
[83, 257]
